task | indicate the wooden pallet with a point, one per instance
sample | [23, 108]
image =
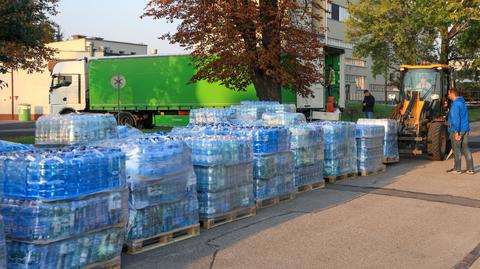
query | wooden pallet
[369, 173]
[276, 200]
[311, 187]
[231, 216]
[162, 239]
[110, 264]
[334, 179]
[391, 160]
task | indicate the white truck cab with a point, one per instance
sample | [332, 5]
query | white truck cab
[68, 89]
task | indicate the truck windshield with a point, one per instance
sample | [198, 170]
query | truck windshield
[424, 81]
[61, 81]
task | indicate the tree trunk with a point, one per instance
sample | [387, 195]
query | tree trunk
[445, 47]
[385, 76]
[267, 89]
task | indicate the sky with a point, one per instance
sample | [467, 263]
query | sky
[117, 20]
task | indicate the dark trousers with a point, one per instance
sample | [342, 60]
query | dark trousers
[329, 90]
[461, 148]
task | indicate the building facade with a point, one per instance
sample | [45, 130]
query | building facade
[354, 75]
[33, 88]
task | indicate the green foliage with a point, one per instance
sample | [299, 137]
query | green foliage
[407, 32]
[25, 28]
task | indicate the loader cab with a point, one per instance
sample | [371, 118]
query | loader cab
[427, 84]
[68, 87]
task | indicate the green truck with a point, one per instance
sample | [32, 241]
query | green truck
[151, 90]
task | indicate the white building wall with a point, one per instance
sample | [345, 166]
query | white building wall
[34, 88]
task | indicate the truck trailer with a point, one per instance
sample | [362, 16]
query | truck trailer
[152, 90]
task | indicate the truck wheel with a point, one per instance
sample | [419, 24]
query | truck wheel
[66, 111]
[127, 118]
[437, 141]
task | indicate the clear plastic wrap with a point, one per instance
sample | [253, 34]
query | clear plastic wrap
[152, 157]
[283, 119]
[370, 131]
[3, 246]
[310, 174]
[340, 148]
[6, 146]
[252, 111]
[370, 156]
[162, 218]
[72, 253]
[168, 189]
[74, 129]
[308, 155]
[274, 187]
[213, 204]
[62, 173]
[212, 150]
[269, 166]
[305, 135]
[390, 147]
[369, 143]
[127, 131]
[205, 116]
[38, 221]
[218, 178]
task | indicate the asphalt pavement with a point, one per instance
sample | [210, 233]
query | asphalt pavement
[16, 128]
[412, 216]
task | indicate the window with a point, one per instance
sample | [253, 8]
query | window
[61, 81]
[337, 12]
[377, 87]
[355, 62]
[358, 81]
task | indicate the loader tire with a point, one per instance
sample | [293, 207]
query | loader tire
[437, 141]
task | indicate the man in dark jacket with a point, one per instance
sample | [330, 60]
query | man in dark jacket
[459, 127]
[368, 104]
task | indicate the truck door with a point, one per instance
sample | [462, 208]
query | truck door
[65, 91]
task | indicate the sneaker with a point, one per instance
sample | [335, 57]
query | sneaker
[454, 171]
[470, 172]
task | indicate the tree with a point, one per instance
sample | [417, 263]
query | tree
[408, 32]
[270, 43]
[25, 28]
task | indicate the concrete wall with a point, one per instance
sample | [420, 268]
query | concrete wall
[34, 88]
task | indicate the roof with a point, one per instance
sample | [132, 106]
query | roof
[429, 66]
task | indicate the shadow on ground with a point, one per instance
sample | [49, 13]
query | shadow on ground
[187, 253]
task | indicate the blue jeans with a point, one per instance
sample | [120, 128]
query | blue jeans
[368, 115]
[461, 148]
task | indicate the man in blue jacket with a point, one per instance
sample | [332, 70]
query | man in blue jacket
[459, 127]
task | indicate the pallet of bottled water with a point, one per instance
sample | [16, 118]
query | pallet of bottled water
[308, 152]
[390, 146]
[370, 149]
[273, 175]
[3, 246]
[160, 178]
[162, 224]
[96, 247]
[210, 116]
[223, 168]
[6, 146]
[283, 119]
[56, 202]
[74, 129]
[252, 111]
[340, 150]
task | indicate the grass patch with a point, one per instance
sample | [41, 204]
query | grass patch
[20, 139]
[353, 111]
[474, 114]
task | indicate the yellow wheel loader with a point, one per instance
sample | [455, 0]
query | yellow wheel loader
[422, 111]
